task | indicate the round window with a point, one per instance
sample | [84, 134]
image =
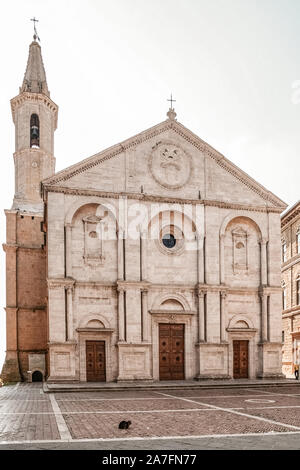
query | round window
[169, 240]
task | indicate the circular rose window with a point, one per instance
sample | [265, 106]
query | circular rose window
[169, 240]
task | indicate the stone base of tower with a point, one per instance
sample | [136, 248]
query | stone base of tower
[10, 370]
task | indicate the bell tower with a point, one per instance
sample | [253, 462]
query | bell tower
[35, 119]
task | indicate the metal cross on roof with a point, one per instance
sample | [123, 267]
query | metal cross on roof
[35, 36]
[171, 101]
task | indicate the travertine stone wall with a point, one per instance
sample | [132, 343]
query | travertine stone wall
[221, 281]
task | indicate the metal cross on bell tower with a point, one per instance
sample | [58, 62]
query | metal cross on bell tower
[35, 36]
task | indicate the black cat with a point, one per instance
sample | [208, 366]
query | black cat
[124, 424]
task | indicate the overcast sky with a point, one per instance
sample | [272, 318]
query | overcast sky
[232, 65]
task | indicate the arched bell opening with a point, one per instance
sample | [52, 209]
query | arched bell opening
[34, 131]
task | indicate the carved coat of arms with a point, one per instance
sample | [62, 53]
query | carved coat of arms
[170, 165]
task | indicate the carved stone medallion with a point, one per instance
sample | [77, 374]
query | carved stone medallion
[170, 165]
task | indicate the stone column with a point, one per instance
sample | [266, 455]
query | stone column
[222, 316]
[70, 313]
[264, 318]
[145, 314]
[222, 259]
[200, 258]
[68, 250]
[263, 262]
[120, 255]
[201, 318]
[121, 324]
[144, 255]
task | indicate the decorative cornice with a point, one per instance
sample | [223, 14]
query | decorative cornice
[290, 215]
[60, 283]
[7, 247]
[185, 134]
[40, 151]
[35, 97]
[172, 312]
[228, 166]
[95, 330]
[290, 312]
[161, 199]
[241, 330]
[291, 262]
[109, 153]
[124, 285]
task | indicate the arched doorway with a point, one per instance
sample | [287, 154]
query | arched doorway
[37, 376]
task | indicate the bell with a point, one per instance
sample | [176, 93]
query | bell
[34, 132]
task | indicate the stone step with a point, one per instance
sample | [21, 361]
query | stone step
[179, 385]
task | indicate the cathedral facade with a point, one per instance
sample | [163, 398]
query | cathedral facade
[155, 259]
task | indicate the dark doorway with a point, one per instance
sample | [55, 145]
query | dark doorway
[37, 376]
[171, 351]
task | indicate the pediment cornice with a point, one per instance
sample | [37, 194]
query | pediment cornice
[186, 134]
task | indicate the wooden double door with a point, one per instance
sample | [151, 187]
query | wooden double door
[171, 351]
[95, 361]
[240, 359]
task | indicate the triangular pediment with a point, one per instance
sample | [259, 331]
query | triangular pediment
[112, 170]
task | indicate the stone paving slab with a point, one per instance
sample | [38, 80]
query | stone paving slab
[163, 424]
[247, 402]
[25, 406]
[104, 395]
[287, 415]
[28, 414]
[28, 427]
[215, 392]
[126, 405]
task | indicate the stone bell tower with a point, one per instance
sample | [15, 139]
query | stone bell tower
[35, 119]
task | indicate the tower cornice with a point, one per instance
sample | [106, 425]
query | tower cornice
[33, 98]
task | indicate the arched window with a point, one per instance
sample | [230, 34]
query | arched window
[34, 131]
[283, 251]
[298, 290]
[298, 240]
[284, 305]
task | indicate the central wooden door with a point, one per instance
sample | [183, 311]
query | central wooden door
[171, 351]
[240, 359]
[95, 361]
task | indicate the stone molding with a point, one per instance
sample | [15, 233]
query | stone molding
[33, 151]
[125, 285]
[171, 295]
[187, 135]
[167, 313]
[237, 318]
[60, 283]
[7, 247]
[156, 198]
[289, 217]
[34, 97]
[95, 330]
[291, 262]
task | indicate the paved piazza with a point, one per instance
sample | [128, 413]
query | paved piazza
[204, 418]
